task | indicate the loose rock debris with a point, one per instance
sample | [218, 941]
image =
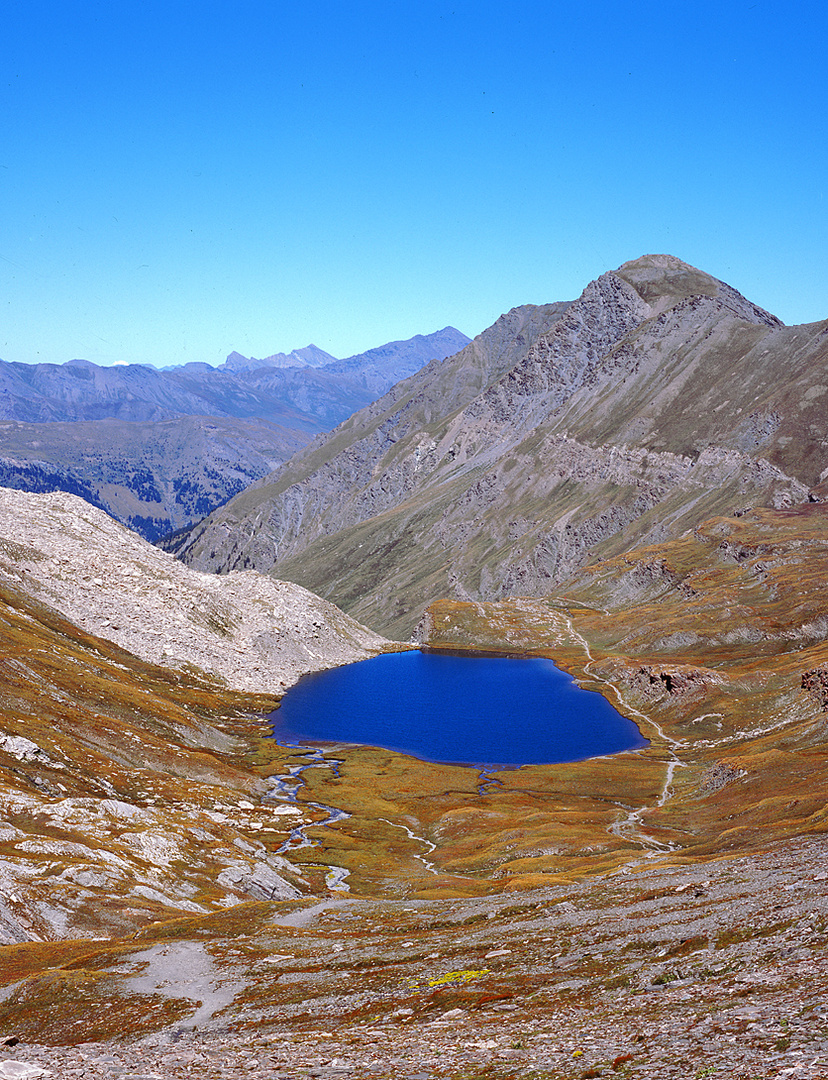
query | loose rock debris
[657, 970]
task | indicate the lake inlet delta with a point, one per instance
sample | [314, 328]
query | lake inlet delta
[458, 709]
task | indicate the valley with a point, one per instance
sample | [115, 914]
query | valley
[631, 484]
[661, 909]
[160, 449]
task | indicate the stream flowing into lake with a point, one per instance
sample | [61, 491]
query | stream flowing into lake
[460, 709]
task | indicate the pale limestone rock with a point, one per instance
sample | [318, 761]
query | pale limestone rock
[244, 630]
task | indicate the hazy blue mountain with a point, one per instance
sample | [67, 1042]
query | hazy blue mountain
[310, 356]
[398, 359]
[309, 398]
[159, 449]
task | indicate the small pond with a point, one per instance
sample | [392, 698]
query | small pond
[461, 709]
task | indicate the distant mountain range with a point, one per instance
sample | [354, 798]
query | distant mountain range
[305, 396]
[562, 434]
[310, 356]
[160, 449]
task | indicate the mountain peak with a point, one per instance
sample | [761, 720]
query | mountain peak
[663, 280]
[660, 278]
[660, 262]
[310, 356]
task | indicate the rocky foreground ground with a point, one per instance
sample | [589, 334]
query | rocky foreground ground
[658, 970]
[129, 780]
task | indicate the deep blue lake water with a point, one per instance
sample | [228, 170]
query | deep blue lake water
[474, 710]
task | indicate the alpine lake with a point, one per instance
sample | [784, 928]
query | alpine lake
[466, 709]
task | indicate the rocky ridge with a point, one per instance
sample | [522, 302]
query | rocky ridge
[267, 519]
[310, 356]
[658, 398]
[80, 390]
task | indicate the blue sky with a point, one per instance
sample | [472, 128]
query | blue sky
[182, 179]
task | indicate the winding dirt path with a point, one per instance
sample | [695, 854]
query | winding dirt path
[630, 827]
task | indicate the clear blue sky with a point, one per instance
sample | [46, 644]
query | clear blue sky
[182, 179]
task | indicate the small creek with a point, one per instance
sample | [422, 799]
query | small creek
[284, 789]
[490, 712]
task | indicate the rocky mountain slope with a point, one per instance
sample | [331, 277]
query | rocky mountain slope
[126, 691]
[249, 632]
[161, 449]
[663, 972]
[659, 398]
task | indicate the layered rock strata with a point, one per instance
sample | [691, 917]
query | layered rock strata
[658, 398]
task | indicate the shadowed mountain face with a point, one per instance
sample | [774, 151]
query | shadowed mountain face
[659, 398]
[154, 477]
[161, 449]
